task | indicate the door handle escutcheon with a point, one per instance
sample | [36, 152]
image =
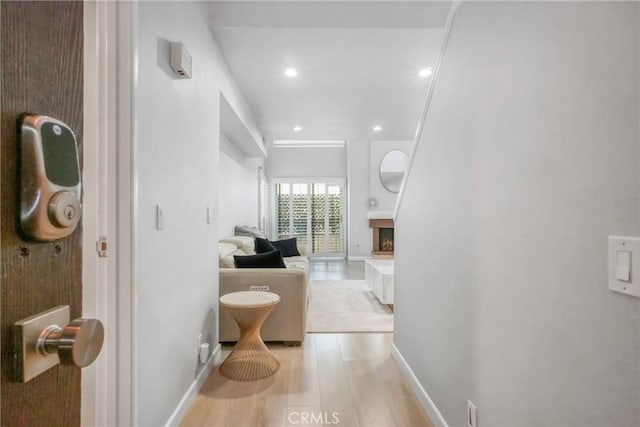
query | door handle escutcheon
[39, 343]
[78, 344]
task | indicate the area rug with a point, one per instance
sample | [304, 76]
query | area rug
[346, 306]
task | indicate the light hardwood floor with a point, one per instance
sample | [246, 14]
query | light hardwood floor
[320, 269]
[344, 379]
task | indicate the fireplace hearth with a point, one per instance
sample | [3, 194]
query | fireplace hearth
[383, 242]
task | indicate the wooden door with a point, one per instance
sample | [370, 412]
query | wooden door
[41, 48]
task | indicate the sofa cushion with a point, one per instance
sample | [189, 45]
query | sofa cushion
[297, 263]
[271, 259]
[226, 262]
[263, 245]
[288, 247]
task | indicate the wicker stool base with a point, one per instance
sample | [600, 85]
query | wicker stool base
[249, 366]
[250, 359]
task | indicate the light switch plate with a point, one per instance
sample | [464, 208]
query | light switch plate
[209, 215]
[618, 244]
[159, 217]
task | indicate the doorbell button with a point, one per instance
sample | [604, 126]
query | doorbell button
[64, 209]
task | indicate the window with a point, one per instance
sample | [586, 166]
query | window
[313, 212]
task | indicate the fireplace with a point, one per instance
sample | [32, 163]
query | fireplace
[382, 231]
[385, 239]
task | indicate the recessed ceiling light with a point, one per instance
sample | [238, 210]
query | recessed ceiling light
[377, 128]
[426, 72]
[290, 72]
[297, 128]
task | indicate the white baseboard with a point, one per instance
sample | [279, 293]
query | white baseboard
[358, 258]
[429, 407]
[192, 392]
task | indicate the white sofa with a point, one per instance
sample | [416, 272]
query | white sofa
[288, 321]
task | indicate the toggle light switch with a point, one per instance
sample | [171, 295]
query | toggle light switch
[623, 266]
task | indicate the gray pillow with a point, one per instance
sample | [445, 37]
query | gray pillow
[246, 230]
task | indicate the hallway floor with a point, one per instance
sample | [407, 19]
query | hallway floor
[321, 269]
[341, 379]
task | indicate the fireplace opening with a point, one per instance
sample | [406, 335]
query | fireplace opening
[385, 239]
[382, 232]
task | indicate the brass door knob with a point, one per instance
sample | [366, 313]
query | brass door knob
[79, 343]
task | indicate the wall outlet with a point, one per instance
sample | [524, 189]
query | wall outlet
[472, 416]
[259, 288]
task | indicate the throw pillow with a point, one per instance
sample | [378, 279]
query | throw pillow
[288, 247]
[263, 245]
[245, 230]
[271, 259]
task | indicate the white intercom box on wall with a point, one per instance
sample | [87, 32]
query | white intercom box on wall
[180, 60]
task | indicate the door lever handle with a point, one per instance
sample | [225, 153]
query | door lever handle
[78, 344]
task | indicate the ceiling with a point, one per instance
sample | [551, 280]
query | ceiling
[357, 63]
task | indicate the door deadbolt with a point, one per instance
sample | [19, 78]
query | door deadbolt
[50, 179]
[39, 343]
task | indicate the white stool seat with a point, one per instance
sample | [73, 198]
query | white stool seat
[247, 299]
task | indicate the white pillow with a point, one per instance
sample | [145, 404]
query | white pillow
[244, 243]
[226, 249]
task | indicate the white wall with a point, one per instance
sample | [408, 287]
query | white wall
[528, 161]
[386, 199]
[177, 148]
[238, 186]
[359, 239]
[363, 165]
[287, 162]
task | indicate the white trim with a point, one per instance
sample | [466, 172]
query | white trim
[425, 401]
[124, 223]
[194, 388]
[423, 118]
[308, 143]
[358, 258]
[99, 298]
[91, 219]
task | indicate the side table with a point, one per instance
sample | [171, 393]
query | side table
[250, 359]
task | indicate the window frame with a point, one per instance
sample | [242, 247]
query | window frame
[328, 181]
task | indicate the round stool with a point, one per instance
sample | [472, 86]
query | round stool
[250, 359]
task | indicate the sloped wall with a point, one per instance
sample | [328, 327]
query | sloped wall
[528, 161]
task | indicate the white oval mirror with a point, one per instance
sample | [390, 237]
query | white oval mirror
[392, 169]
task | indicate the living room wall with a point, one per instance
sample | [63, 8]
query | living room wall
[287, 162]
[364, 157]
[177, 162]
[386, 199]
[528, 162]
[238, 188]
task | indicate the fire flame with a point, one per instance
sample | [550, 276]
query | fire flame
[387, 244]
